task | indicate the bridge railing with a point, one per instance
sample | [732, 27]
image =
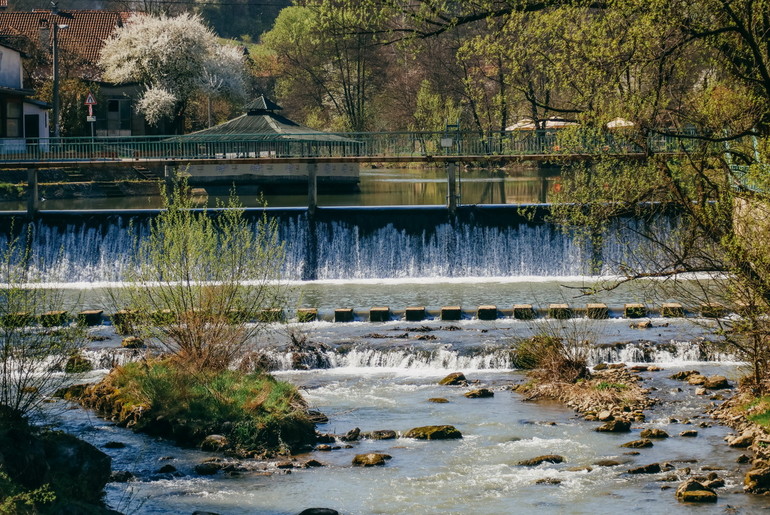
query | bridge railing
[369, 144]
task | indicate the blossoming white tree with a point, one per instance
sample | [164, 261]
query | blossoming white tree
[173, 58]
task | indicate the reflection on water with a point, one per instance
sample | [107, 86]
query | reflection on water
[378, 187]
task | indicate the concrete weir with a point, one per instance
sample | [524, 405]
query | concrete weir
[122, 319]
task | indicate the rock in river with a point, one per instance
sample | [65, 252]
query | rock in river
[547, 458]
[653, 433]
[454, 379]
[615, 426]
[434, 433]
[480, 393]
[693, 491]
[638, 444]
[371, 459]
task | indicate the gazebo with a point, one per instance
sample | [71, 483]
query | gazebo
[260, 132]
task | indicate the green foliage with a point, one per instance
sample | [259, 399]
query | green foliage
[12, 191]
[16, 499]
[193, 271]
[255, 407]
[434, 112]
[29, 355]
[604, 385]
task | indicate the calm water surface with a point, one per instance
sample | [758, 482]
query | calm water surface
[378, 187]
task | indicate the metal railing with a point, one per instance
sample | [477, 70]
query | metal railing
[367, 145]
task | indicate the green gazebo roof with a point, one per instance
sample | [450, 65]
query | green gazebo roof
[260, 121]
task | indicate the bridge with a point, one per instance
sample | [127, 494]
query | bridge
[340, 147]
[449, 148]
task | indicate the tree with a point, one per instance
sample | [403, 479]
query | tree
[173, 58]
[204, 283]
[324, 63]
[32, 356]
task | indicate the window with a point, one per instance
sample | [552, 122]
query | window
[12, 114]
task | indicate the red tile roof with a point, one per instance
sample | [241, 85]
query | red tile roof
[85, 33]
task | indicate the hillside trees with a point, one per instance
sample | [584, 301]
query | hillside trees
[325, 64]
[173, 58]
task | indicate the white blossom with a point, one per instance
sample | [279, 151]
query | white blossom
[172, 57]
[156, 103]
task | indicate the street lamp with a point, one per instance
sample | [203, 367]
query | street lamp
[55, 64]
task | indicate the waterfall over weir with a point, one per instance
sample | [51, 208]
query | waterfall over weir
[355, 243]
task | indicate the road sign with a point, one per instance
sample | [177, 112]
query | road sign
[90, 110]
[90, 100]
[90, 118]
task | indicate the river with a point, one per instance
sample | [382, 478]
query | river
[380, 375]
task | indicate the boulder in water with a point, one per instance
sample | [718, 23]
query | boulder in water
[438, 400]
[214, 443]
[716, 383]
[371, 459]
[382, 434]
[615, 426]
[445, 432]
[480, 393]
[694, 491]
[757, 480]
[652, 468]
[638, 444]
[319, 511]
[547, 458]
[454, 379]
[653, 432]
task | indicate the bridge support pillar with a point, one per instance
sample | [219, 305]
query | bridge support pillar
[33, 198]
[168, 177]
[451, 173]
[312, 188]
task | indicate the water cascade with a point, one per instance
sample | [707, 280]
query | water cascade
[356, 243]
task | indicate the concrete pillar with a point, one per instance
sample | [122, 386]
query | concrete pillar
[414, 314]
[671, 310]
[634, 310]
[451, 313]
[451, 172]
[379, 314]
[487, 312]
[523, 312]
[168, 177]
[33, 198]
[597, 311]
[307, 314]
[312, 188]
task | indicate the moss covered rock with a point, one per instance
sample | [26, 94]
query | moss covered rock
[434, 433]
[371, 459]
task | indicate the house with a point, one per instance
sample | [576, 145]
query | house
[21, 117]
[80, 37]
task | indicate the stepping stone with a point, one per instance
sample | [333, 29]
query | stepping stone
[90, 317]
[415, 314]
[343, 315]
[451, 313]
[559, 311]
[487, 313]
[523, 312]
[671, 310]
[634, 311]
[379, 314]
[597, 311]
[307, 314]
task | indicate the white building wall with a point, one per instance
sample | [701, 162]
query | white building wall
[10, 68]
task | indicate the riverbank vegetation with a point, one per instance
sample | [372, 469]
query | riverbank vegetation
[225, 410]
[204, 287]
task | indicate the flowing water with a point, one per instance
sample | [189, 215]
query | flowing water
[379, 375]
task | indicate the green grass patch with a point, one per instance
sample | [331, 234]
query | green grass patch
[604, 385]
[254, 411]
[758, 411]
